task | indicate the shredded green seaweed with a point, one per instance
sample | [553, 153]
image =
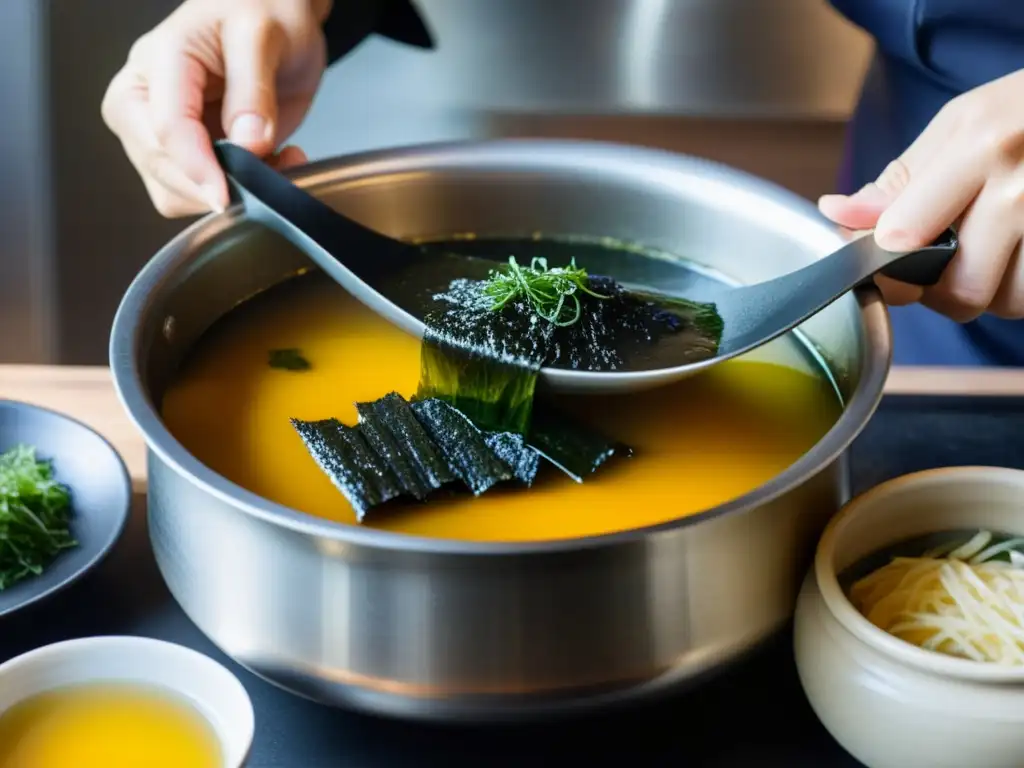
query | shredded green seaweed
[35, 516]
[554, 294]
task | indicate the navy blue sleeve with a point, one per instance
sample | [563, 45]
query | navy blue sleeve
[352, 21]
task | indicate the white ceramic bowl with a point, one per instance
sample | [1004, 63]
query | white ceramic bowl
[889, 703]
[211, 688]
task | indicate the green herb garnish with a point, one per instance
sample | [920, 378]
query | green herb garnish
[554, 294]
[289, 360]
[35, 515]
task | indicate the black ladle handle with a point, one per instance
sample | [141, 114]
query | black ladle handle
[924, 266]
[359, 259]
[760, 312]
[273, 200]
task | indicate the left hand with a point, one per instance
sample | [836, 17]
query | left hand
[966, 170]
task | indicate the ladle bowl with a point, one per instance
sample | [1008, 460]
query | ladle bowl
[364, 261]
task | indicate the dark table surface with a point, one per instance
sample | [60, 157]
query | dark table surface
[753, 715]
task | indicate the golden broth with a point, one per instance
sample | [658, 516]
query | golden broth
[108, 725]
[698, 443]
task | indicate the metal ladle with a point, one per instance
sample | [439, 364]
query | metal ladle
[753, 315]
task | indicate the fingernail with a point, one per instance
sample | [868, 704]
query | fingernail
[211, 196]
[250, 129]
[893, 236]
[895, 239]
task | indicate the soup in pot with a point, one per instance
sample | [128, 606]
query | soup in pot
[307, 350]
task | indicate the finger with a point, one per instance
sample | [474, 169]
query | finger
[289, 157]
[938, 193]
[177, 82]
[173, 194]
[252, 52]
[1009, 299]
[858, 211]
[171, 205]
[862, 209]
[988, 236]
[125, 88]
[126, 111]
[897, 294]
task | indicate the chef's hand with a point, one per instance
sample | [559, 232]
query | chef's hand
[245, 69]
[967, 167]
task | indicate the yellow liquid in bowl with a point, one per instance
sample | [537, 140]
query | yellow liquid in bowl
[699, 443]
[109, 725]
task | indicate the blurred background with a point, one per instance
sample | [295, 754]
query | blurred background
[763, 85]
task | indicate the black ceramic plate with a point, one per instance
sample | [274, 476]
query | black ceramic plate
[101, 493]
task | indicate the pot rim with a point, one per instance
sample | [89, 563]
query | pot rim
[858, 625]
[876, 349]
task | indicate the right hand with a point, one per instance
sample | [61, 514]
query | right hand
[242, 69]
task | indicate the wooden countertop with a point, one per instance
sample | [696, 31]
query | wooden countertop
[87, 394]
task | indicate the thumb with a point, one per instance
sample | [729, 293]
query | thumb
[862, 209]
[252, 52]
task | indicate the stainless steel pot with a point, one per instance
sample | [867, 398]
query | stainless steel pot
[451, 630]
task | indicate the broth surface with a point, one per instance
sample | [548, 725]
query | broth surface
[699, 443]
[109, 725]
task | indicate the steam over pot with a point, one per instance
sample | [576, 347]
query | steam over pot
[453, 630]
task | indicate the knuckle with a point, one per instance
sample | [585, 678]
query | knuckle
[138, 51]
[959, 113]
[257, 23]
[895, 177]
[997, 143]
[114, 100]
[967, 299]
[108, 108]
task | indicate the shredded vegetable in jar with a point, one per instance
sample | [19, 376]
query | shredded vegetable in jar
[961, 599]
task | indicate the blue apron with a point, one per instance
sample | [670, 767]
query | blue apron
[928, 52]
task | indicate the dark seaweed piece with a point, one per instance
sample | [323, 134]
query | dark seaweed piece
[575, 449]
[462, 445]
[353, 466]
[703, 322]
[612, 333]
[494, 391]
[391, 429]
[516, 454]
[288, 360]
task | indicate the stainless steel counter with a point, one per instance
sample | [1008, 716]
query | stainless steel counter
[762, 84]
